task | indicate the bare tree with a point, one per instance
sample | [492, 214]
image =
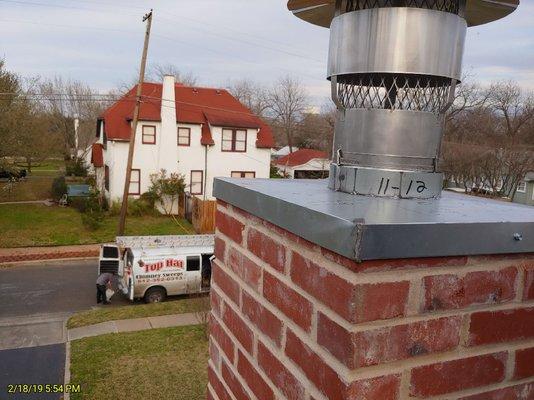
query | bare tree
[514, 108]
[10, 85]
[254, 96]
[156, 72]
[287, 101]
[65, 100]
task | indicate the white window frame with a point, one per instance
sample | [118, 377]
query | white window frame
[196, 182]
[522, 184]
[188, 136]
[135, 171]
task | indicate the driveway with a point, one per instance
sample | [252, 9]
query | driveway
[43, 365]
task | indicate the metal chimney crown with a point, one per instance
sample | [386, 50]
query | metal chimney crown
[394, 66]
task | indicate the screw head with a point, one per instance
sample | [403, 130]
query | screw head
[518, 237]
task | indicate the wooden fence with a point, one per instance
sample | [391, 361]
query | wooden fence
[203, 215]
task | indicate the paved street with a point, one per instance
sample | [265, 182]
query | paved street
[35, 301]
[49, 287]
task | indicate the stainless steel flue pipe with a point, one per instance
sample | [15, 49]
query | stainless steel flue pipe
[394, 66]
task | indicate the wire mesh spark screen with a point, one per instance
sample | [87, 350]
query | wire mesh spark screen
[394, 92]
[450, 6]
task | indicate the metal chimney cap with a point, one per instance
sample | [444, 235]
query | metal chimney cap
[478, 12]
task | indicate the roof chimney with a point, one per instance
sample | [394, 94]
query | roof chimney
[168, 122]
[394, 67]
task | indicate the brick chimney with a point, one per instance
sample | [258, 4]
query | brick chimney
[376, 285]
[295, 315]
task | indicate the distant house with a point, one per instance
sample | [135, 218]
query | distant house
[201, 133]
[525, 191]
[304, 164]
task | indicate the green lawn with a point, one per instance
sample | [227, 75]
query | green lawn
[24, 225]
[188, 305]
[48, 165]
[36, 187]
[168, 363]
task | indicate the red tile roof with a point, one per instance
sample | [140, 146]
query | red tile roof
[300, 157]
[97, 157]
[206, 106]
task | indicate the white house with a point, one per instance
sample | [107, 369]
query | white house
[201, 133]
[304, 163]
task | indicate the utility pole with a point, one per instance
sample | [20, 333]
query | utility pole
[124, 208]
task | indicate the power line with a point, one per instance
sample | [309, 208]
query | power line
[216, 34]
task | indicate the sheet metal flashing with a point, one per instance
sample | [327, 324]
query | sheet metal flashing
[371, 228]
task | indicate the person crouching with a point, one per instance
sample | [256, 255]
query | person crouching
[103, 281]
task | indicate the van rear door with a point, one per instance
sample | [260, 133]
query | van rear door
[192, 273]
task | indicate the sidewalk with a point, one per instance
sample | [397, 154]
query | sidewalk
[48, 253]
[132, 325]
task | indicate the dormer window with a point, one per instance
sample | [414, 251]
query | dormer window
[149, 134]
[234, 140]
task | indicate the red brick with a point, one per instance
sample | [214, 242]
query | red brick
[355, 303]
[314, 367]
[528, 293]
[253, 379]
[445, 292]
[215, 301]
[230, 226]
[227, 284]
[279, 374]
[220, 248]
[217, 385]
[381, 388]
[233, 383]
[378, 346]
[329, 383]
[291, 237]
[239, 328]
[388, 265]
[269, 250]
[223, 340]
[209, 395]
[501, 326]
[215, 356]
[519, 392]
[287, 300]
[452, 376]
[262, 318]
[524, 363]
[245, 268]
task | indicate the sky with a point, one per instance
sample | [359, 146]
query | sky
[220, 41]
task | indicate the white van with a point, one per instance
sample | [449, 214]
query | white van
[154, 267]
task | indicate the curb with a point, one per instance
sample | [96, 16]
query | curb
[34, 262]
[48, 256]
[66, 380]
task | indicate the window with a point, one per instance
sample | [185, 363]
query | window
[135, 182]
[149, 134]
[106, 178]
[193, 263]
[243, 174]
[522, 187]
[197, 182]
[234, 140]
[184, 136]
